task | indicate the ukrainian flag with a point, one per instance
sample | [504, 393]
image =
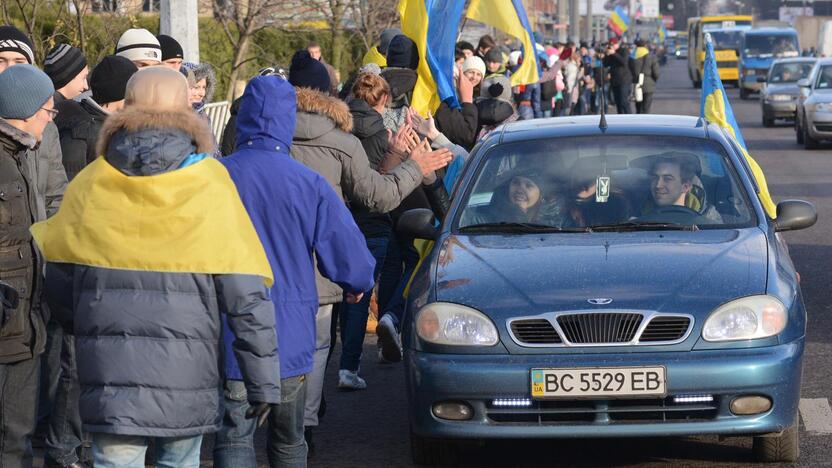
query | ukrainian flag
[716, 109]
[619, 22]
[433, 25]
[510, 17]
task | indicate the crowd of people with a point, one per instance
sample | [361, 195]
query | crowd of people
[160, 284]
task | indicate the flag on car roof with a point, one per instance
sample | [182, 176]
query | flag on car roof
[510, 17]
[619, 22]
[716, 109]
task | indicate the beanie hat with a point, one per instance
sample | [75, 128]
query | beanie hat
[139, 44]
[108, 79]
[402, 53]
[63, 63]
[496, 87]
[171, 49]
[23, 91]
[306, 72]
[370, 68]
[515, 58]
[386, 36]
[494, 56]
[13, 40]
[158, 88]
[474, 63]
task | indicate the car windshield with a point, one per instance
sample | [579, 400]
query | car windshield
[725, 40]
[790, 72]
[757, 45]
[609, 183]
[825, 78]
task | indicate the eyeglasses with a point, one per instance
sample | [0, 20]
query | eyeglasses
[52, 112]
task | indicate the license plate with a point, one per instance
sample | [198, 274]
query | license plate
[593, 382]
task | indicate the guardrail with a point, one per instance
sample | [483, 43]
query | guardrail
[219, 113]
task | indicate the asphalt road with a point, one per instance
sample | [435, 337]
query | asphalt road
[370, 428]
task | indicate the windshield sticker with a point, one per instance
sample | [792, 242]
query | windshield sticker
[603, 192]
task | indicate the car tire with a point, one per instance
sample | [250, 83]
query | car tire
[808, 142]
[431, 452]
[798, 131]
[783, 448]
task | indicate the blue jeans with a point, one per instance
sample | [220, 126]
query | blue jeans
[123, 451]
[354, 316]
[399, 264]
[525, 112]
[285, 445]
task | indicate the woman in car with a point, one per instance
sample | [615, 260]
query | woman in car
[527, 197]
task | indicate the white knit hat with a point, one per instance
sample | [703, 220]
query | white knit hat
[474, 63]
[139, 44]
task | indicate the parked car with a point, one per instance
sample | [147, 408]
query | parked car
[813, 122]
[605, 282]
[778, 97]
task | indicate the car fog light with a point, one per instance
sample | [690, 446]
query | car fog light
[453, 410]
[512, 402]
[682, 399]
[747, 405]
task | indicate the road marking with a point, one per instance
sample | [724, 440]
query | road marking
[817, 415]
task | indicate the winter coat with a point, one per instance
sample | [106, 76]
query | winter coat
[22, 331]
[322, 142]
[147, 342]
[459, 125]
[619, 63]
[78, 126]
[229, 135]
[650, 67]
[46, 163]
[296, 214]
[368, 127]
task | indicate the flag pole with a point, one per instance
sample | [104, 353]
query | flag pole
[464, 22]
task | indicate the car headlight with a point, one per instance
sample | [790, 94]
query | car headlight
[747, 318]
[823, 106]
[453, 324]
[780, 97]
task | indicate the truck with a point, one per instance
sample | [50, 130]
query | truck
[759, 47]
[726, 32]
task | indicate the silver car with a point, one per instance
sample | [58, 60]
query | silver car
[813, 121]
[778, 97]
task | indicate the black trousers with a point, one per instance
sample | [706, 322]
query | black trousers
[643, 107]
[18, 411]
[621, 93]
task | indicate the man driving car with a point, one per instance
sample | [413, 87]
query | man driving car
[671, 178]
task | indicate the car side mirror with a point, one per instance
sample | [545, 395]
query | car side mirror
[9, 296]
[417, 223]
[793, 215]
[804, 83]
[761, 79]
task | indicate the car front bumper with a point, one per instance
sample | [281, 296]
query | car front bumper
[820, 124]
[750, 82]
[779, 109]
[477, 380]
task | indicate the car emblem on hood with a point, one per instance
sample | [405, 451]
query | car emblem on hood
[599, 301]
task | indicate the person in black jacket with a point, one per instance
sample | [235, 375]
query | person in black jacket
[647, 65]
[621, 78]
[460, 125]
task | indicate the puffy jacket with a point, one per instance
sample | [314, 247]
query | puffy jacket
[22, 332]
[148, 342]
[296, 214]
[459, 125]
[46, 163]
[78, 126]
[322, 141]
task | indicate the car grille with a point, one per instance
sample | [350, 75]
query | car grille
[726, 64]
[598, 328]
[824, 127]
[603, 412]
[535, 331]
[665, 329]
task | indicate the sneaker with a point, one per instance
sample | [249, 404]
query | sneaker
[388, 339]
[349, 380]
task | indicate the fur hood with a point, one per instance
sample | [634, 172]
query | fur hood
[316, 102]
[200, 71]
[17, 136]
[133, 119]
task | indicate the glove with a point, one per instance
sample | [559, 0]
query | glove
[258, 410]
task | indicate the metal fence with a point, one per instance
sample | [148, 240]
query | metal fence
[219, 113]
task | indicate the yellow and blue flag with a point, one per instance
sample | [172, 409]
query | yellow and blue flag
[433, 25]
[619, 22]
[510, 17]
[716, 109]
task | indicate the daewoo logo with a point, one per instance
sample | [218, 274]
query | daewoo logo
[599, 301]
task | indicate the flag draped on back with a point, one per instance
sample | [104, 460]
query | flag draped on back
[716, 109]
[510, 17]
[433, 26]
[619, 22]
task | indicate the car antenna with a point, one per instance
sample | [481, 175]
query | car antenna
[603, 123]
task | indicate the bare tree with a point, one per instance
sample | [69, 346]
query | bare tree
[33, 13]
[371, 17]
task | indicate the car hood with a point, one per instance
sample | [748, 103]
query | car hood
[515, 275]
[785, 88]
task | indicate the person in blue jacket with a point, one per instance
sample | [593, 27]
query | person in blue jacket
[300, 220]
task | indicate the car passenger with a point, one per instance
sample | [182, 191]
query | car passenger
[527, 197]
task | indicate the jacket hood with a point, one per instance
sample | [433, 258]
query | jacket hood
[16, 135]
[266, 114]
[366, 120]
[401, 81]
[493, 111]
[204, 70]
[319, 114]
[140, 141]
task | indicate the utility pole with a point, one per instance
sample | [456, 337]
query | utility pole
[574, 22]
[563, 19]
[178, 19]
[590, 31]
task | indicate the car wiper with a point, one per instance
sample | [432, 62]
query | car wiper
[643, 226]
[519, 227]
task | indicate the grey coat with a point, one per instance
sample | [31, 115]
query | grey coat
[650, 67]
[149, 344]
[323, 142]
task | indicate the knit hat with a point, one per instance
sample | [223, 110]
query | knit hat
[63, 63]
[474, 63]
[108, 79]
[23, 91]
[306, 72]
[13, 40]
[158, 88]
[386, 36]
[369, 68]
[402, 53]
[494, 56]
[496, 87]
[139, 44]
[171, 49]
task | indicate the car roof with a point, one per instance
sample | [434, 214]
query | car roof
[769, 30]
[794, 60]
[824, 61]
[640, 124]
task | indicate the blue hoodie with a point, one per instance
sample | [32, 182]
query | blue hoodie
[296, 214]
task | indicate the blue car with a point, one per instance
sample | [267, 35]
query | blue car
[605, 282]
